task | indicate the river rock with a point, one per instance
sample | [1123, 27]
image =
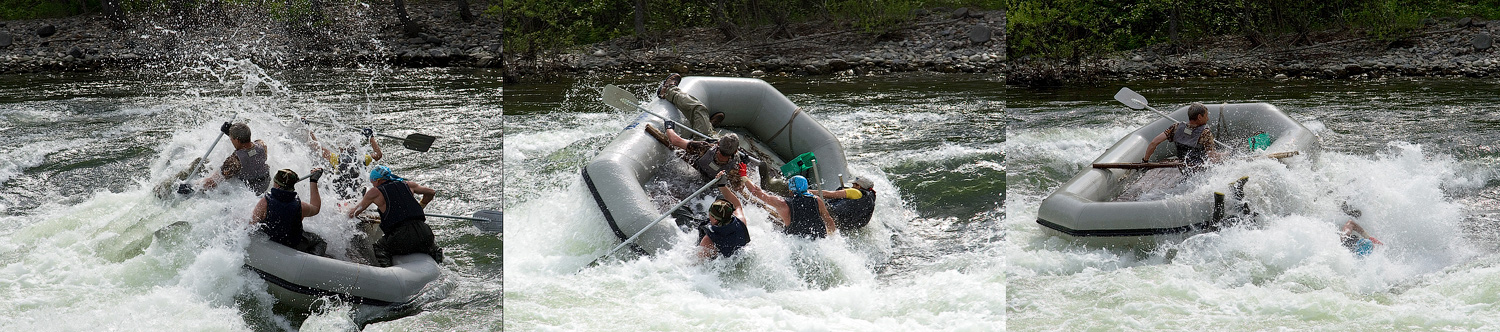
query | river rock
[838, 64]
[1464, 22]
[979, 34]
[76, 52]
[1482, 41]
[960, 13]
[5, 39]
[46, 31]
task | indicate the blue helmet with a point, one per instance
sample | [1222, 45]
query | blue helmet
[797, 184]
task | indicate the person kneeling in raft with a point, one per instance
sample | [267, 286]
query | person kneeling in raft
[279, 213]
[1354, 237]
[401, 216]
[726, 233]
[853, 206]
[800, 214]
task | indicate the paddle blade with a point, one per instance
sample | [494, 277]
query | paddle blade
[418, 142]
[495, 223]
[1131, 99]
[620, 99]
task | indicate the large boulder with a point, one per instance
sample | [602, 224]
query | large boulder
[960, 13]
[6, 39]
[1482, 41]
[979, 34]
[46, 31]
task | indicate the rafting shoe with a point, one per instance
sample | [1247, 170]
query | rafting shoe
[668, 84]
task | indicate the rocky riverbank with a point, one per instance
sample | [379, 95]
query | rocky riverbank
[1442, 47]
[939, 40]
[349, 35]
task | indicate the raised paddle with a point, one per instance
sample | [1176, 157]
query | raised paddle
[653, 222]
[623, 100]
[1137, 101]
[488, 221]
[416, 141]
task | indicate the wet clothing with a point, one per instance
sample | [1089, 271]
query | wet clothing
[855, 211]
[1193, 144]
[806, 221]
[1360, 246]
[729, 237]
[349, 178]
[249, 166]
[404, 225]
[702, 155]
[283, 221]
[696, 113]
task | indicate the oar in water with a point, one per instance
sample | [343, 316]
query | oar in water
[1137, 101]
[623, 100]
[488, 221]
[416, 141]
[653, 222]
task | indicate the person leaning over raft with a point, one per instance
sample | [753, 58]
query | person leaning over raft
[698, 115]
[851, 207]
[726, 233]
[279, 213]
[1194, 142]
[710, 158]
[348, 184]
[802, 214]
[401, 216]
[247, 163]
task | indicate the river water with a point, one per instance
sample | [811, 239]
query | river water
[931, 143]
[79, 154]
[1418, 157]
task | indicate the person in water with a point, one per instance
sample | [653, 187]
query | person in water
[247, 163]
[851, 207]
[698, 115]
[348, 183]
[725, 233]
[279, 213]
[1354, 237]
[401, 216]
[1194, 141]
[803, 214]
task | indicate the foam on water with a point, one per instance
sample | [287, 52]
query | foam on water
[1285, 270]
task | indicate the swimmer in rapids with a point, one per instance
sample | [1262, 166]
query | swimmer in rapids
[1354, 237]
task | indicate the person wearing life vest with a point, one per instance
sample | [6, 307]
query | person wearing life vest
[279, 213]
[247, 164]
[725, 233]
[347, 166]
[851, 207]
[803, 214]
[1193, 140]
[1353, 237]
[710, 157]
[401, 216]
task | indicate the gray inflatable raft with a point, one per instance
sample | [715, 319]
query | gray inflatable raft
[299, 279]
[1085, 208]
[772, 128]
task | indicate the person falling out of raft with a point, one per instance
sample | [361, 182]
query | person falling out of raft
[247, 163]
[1354, 237]
[698, 115]
[802, 214]
[1194, 142]
[851, 207]
[279, 213]
[725, 233]
[401, 216]
[709, 157]
[348, 184]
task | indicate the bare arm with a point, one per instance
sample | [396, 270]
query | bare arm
[259, 213]
[831, 194]
[375, 146]
[315, 204]
[675, 140]
[827, 219]
[781, 210]
[364, 202]
[427, 193]
[1151, 148]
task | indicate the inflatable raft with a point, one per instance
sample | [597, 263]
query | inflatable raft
[1088, 207]
[298, 279]
[771, 128]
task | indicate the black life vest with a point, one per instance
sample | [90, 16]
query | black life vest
[253, 169]
[853, 213]
[728, 238]
[806, 221]
[283, 222]
[400, 206]
[1186, 141]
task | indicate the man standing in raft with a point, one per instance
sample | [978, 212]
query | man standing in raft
[802, 214]
[1194, 142]
[851, 207]
[401, 216]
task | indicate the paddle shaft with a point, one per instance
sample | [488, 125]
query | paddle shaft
[1138, 165]
[456, 217]
[663, 118]
[658, 219]
[623, 99]
[1127, 96]
[194, 167]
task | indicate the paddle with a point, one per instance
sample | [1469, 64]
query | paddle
[488, 221]
[653, 222]
[416, 141]
[623, 100]
[1164, 164]
[1137, 101]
